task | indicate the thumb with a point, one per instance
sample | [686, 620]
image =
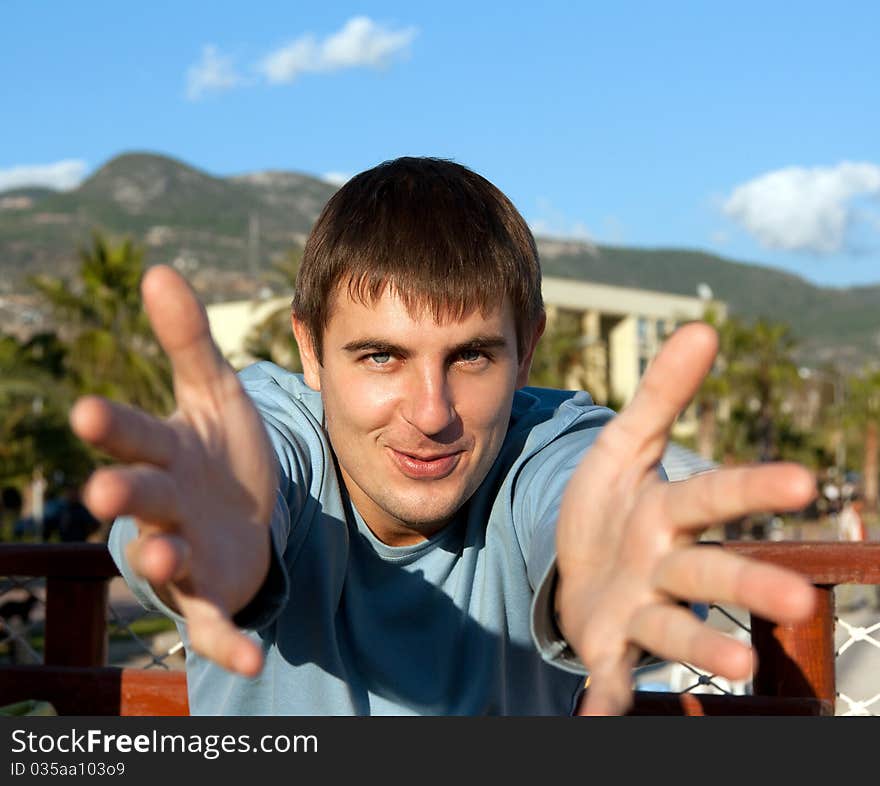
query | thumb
[213, 635]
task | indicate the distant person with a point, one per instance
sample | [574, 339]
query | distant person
[69, 517]
[851, 528]
[10, 508]
[406, 528]
[53, 505]
[13, 503]
[850, 522]
[831, 492]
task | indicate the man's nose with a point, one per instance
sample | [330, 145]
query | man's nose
[429, 403]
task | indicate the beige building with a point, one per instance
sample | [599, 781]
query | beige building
[231, 322]
[622, 328]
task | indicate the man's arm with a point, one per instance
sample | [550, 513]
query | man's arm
[626, 541]
[200, 485]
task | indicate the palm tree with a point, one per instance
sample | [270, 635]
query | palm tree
[755, 377]
[714, 390]
[272, 338]
[21, 388]
[862, 413]
[558, 352]
[110, 348]
[772, 375]
[34, 401]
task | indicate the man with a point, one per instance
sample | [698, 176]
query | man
[403, 529]
[850, 524]
[69, 517]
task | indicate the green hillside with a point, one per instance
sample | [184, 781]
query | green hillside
[34, 193]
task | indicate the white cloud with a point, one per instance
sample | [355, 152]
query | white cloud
[214, 73]
[551, 223]
[61, 175]
[336, 178]
[565, 230]
[803, 209]
[360, 43]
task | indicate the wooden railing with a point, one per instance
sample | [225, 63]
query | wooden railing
[795, 674]
[74, 676]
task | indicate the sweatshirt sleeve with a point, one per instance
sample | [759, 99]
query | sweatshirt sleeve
[538, 497]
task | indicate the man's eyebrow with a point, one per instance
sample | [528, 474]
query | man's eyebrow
[382, 346]
[481, 342]
[377, 345]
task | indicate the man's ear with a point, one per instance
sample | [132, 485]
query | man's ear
[307, 354]
[525, 363]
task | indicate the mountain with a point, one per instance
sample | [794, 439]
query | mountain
[28, 193]
[206, 225]
[223, 231]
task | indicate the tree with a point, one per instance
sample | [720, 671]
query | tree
[109, 346]
[558, 351]
[713, 391]
[862, 414]
[34, 401]
[755, 378]
[272, 338]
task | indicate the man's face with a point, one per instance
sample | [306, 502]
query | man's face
[416, 410]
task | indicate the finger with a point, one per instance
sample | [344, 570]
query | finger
[673, 633]
[139, 490]
[611, 686]
[126, 433]
[711, 575]
[727, 494]
[160, 559]
[212, 634]
[180, 323]
[669, 383]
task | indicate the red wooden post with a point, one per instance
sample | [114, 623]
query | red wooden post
[76, 622]
[797, 660]
[76, 596]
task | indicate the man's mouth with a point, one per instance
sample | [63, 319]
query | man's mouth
[425, 466]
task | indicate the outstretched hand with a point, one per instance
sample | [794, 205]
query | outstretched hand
[626, 541]
[200, 484]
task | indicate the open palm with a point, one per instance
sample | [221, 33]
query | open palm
[626, 540]
[200, 484]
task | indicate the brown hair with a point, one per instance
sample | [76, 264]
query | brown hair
[442, 236]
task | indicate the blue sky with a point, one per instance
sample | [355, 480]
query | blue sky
[752, 132]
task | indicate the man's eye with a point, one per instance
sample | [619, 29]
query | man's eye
[379, 358]
[471, 355]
